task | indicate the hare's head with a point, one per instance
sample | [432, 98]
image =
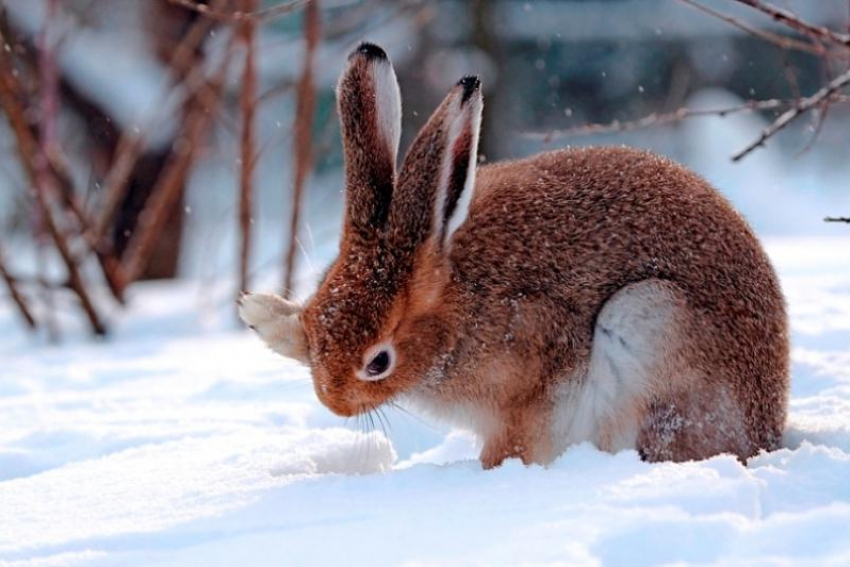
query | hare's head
[374, 327]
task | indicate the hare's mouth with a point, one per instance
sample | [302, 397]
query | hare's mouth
[354, 410]
[353, 401]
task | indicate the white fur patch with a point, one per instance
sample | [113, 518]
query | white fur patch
[462, 119]
[467, 416]
[388, 105]
[475, 107]
[630, 341]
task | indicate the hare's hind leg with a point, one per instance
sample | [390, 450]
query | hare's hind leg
[662, 398]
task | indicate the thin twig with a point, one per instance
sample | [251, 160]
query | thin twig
[75, 281]
[240, 15]
[109, 264]
[776, 39]
[17, 298]
[819, 120]
[795, 23]
[803, 106]
[837, 219]
[51, 320]
[303, 146]
[656, 119]
[248, 103]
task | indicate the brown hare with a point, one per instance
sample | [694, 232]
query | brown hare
[599, 294]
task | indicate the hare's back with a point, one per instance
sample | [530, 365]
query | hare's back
[582, 224]
[606, 217]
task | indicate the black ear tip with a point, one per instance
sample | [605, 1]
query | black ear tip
[370, 51]
[470, 84]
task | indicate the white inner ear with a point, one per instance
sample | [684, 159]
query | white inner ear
[467, 117]
[462, 208]
[367, 357]
[388, 105]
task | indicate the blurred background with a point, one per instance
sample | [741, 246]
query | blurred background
[162, 139]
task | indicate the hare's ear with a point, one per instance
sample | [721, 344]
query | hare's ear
[438, 176]
[370, 112]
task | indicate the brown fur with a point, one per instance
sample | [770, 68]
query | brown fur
[495, 323]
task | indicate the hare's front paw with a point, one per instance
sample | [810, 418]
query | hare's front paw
[260, 310]
[276, 321]
[502, 447]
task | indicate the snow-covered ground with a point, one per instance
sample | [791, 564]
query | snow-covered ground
[182, 440]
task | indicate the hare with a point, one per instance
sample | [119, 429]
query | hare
[601, 294]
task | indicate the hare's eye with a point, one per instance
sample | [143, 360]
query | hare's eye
[379, 364]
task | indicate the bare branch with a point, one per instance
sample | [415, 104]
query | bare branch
[303, 147]
[656, 119]
[75, 281]
[837, 219]
[109, 264]
[811, 30]
[17, 298]
[803, 106]
[248, 103]
[776, 39]
[819, 119]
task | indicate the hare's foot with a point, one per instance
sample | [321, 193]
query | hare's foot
[276, 321]
[525, 433]
[694, 425]
[502, 447]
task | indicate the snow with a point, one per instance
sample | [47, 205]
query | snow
[182, 440]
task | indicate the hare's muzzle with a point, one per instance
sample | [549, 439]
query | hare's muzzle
[347, 396]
